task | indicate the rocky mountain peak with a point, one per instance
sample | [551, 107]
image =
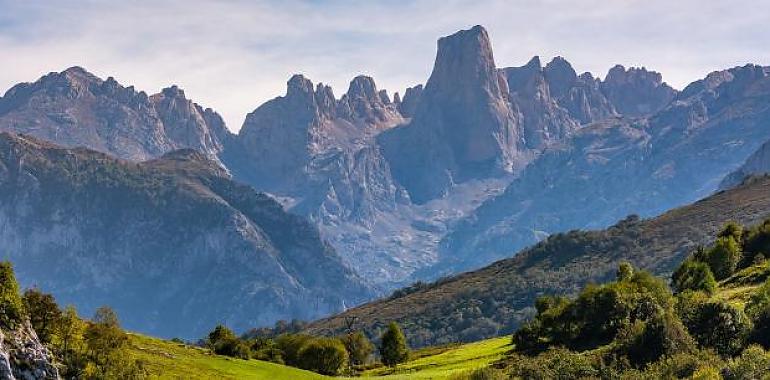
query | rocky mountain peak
[636, 91]
[462, 127]
[365, 105]
[363, 86]
[408, 104]
[298, 85]
[173, 92]
[561, 76]
[465, 62]
[523, 76]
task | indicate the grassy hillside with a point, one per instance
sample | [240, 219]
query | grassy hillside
[441, 364]
[169, 360]
[497, 298]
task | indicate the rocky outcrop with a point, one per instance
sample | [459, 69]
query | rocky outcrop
[408, 105]
[462, 128]
[75, 108]
[543, 120]
[579, 95]
[619, 167]
[636, 91]
[173, 244]
[24, 357]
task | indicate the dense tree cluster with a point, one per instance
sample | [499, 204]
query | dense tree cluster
[283, 344]
[95, 349]
[635, 327]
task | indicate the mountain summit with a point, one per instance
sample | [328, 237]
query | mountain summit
[462, 128]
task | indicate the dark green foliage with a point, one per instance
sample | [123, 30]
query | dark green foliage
[645, 342]
[223, 341]
[393, 348]
[723, 257]
[756, 242]
[290, 345]
[596, 316]
[281, 327]
[43, 312]
[731, 229]
[718, 325]
[693, 275]
[358, 346]
[219, 334]
[326, 356]
[266, 349]
[11, 305]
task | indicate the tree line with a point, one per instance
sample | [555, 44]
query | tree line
[324, 355]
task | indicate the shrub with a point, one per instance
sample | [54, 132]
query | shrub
[645, 342]
[11, 305]
[290, 345]
[222, 341]
[393, 348]
[682, 365]
[326, 356]
[753, 363]
[693, 275]
[723, 257]
[720, 326]
[557, 363]
[756, 242]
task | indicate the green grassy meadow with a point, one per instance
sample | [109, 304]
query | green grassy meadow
[170, 360]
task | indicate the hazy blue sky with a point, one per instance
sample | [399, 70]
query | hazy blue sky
[234, 55]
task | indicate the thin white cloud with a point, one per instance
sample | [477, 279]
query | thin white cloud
[234, 55]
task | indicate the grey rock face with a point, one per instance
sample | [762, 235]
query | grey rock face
[311, 147]
[543, 120]
[172, 244]
[579, 95]
[636, 91]
[462, 128]
[23, 357]
[408, 106]
[75, 108]
[618, 167]
[756, 165]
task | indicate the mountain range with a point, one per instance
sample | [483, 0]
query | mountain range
[379, 191]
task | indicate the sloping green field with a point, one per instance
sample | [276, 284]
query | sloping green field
[169, 360]
[463, 358]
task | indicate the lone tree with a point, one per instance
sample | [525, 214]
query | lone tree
[393, 348]
[358, 346]
[44, 313]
